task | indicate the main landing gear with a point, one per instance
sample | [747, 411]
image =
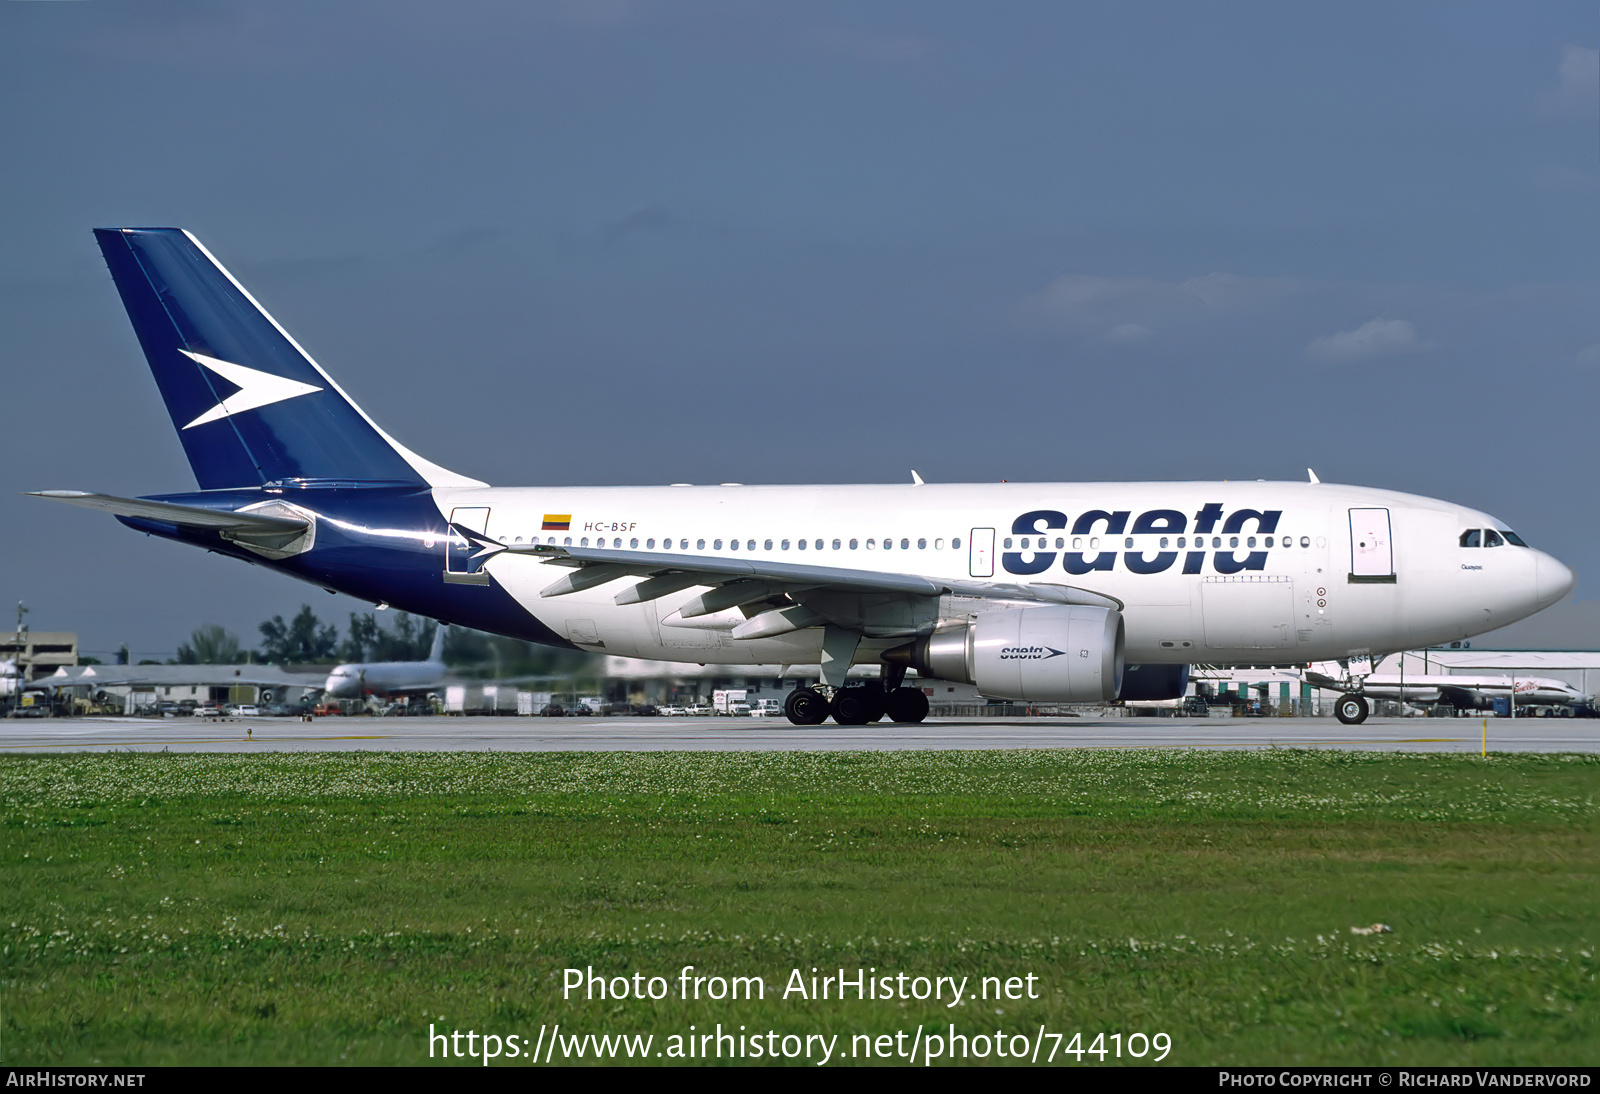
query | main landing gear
[806, 707]
[1351, 709]
[857, 705]
[860, 703]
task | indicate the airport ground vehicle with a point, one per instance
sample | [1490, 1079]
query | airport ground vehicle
[1032, 592]
[730, 702]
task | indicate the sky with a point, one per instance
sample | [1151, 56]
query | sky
[618, 242]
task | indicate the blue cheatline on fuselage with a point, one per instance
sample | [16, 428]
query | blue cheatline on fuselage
[369, 545]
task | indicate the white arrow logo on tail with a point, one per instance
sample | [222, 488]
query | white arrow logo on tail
[256, 388]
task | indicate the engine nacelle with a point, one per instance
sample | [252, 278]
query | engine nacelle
[1054, 654]
[1154, 683]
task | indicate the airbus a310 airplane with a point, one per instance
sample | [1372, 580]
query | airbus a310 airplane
[351, 681]
[1040, 592]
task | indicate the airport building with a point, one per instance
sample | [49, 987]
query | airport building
[129, 689]
[40, 653]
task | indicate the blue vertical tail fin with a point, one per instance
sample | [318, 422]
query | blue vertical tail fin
[250, 406]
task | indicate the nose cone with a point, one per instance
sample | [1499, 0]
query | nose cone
[1553, 580]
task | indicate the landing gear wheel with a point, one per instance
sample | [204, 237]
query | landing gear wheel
[1351, 710]
[857, 706]
[806, 707]
[906, 705]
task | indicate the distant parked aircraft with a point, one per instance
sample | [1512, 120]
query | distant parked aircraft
[1460, 691]
[390, 677]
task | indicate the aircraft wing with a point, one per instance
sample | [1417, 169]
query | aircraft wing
[191, 516]
[1322, 680]
[737, 582]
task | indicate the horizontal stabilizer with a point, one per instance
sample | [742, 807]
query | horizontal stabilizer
[189, 516]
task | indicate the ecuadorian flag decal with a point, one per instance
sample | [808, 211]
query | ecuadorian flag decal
[557, 522]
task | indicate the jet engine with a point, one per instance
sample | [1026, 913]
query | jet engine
[1054, 654]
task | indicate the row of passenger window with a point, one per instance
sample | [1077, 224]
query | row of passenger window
[750, 545]
[1041, 543]
[1027, 543]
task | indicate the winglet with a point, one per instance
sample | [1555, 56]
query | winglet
[1314, 480]
[916, 479]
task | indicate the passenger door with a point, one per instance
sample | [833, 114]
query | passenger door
[458, 550]
[1371, 550]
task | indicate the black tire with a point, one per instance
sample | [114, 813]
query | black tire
[806, 707]
[1351, 710]
[906, 706]
[857, 706]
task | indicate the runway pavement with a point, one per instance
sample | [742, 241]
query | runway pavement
[510, 734]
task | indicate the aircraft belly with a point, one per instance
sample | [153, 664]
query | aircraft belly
[1254, 612]
[590, 620]
[1162, 634]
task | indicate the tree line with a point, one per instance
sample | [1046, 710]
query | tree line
[306, 639]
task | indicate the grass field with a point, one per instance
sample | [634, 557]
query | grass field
[320, 909]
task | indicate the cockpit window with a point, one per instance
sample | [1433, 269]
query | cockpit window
[1472, 538]
[1491, 538]
[1514, 539]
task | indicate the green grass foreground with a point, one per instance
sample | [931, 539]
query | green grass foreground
[324, 909]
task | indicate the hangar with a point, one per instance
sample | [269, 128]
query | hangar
[135, 689]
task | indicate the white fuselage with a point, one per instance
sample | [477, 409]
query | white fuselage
[1223, 573]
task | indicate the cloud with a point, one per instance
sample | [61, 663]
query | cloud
[1577, 80]
[1125, 309]
[1376, 338]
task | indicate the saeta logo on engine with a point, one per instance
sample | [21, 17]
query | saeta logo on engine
[1028, 653]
